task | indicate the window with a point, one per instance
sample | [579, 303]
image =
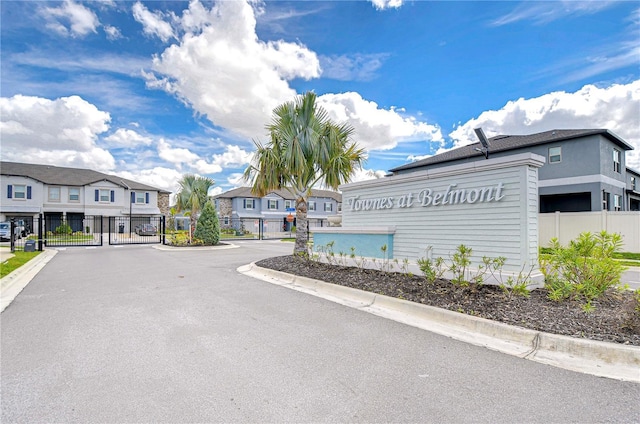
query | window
[249, 203]
[605, 201]
[104, 196]
[225, 220]
[312, 206]
[328, 207]
[555, 154]
[19, 191]
[616, 160]
[140, 197]
[272, 204]
[74, 194]
[633, 183]
[288, 204]
[617, 202]
[54, 194]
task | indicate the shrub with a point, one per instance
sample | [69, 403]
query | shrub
[584, 269]
[208, 226]
[63, 229]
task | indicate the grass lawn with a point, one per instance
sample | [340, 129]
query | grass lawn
[17, 261]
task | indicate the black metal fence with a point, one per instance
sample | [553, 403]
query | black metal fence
[262, 228]
[57, 230]
[136, 230]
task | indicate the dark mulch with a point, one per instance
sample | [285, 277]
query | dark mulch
[612, 319]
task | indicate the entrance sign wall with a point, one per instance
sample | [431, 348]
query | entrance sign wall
[490, 206]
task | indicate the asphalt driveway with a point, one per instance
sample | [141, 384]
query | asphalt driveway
[137, 334]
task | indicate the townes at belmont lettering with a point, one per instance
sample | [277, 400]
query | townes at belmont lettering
[428, 197]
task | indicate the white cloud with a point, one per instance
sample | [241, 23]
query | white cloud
[233, 156]
[127, 138]
[386, 4]
[177, 156]
[81, 20]
[375, 128]
[225, 72]
[547, 11]
[616, 108]
[159, 177]
[214, 191]
[153, 23]
[112, 32]
[62, 131]
[358, 67]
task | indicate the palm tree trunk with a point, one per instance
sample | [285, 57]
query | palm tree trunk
[302, 227]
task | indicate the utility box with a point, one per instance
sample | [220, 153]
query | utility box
[30, 246]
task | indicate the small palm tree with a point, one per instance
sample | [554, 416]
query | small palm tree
[305, 149]
[192, 195]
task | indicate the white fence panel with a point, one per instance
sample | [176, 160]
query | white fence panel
[566, 226]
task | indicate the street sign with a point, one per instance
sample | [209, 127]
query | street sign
[291, 209]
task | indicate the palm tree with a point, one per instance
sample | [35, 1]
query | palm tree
[306, 149]
[193, 195]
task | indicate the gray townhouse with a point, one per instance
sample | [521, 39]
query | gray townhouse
[240, 204]
[70, 195]
[585, 169]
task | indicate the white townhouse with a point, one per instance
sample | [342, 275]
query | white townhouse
[71, 194]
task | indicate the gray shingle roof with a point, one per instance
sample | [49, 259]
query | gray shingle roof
[246, 192]
[56, 175]
[501, 143]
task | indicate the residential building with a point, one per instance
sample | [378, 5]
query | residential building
[240, 203]
[70, 194]
[585, 169]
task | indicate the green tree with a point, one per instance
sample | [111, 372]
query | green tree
[192, 195]
[305, 149]
[208, 226]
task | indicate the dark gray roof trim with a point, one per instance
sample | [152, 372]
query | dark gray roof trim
[501, 143]
[285, 194]
[57, 175]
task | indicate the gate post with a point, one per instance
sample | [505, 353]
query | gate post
[163, 228]
[40, 231]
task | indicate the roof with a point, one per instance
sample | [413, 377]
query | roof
[285, 194]
[501, 143]
[57, 175]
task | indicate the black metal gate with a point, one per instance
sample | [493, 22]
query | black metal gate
[136, 230]
[71, 230]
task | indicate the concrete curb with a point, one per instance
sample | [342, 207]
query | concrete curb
[165, 247]
[12, 284]
[602, 359]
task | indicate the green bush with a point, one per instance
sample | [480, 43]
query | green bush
[584, 269]
[63, 229]
[208, 226]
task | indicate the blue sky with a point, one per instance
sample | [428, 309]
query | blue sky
[153, 90]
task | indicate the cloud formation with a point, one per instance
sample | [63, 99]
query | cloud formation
[544, 12]
[386, 4]
[153, 23]
[61, 131]
[70, 19]
[616, 108]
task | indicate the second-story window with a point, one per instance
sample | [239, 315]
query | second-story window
[54, 194]
[633, 183]
[74, 194]
[555, 154]
[288, 204]
[19, 191]
[105, 195]
[617, 202]
[328, 207]
[617, 158]
[249, 203]
[140, 197]
[312, 206]
[272, 204]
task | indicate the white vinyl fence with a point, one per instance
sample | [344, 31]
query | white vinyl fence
[566, 226]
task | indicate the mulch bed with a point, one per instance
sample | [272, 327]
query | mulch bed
[613, 318]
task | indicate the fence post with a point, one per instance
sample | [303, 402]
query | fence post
[163, 226]
[603, 223]
[556, 229]
[40, 231]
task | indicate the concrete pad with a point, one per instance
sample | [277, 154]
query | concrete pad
[12, 284]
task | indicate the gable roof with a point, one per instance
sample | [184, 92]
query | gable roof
[285, 194]
[57, 175]
[501, 143]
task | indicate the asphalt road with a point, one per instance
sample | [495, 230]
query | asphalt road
[136, 334]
